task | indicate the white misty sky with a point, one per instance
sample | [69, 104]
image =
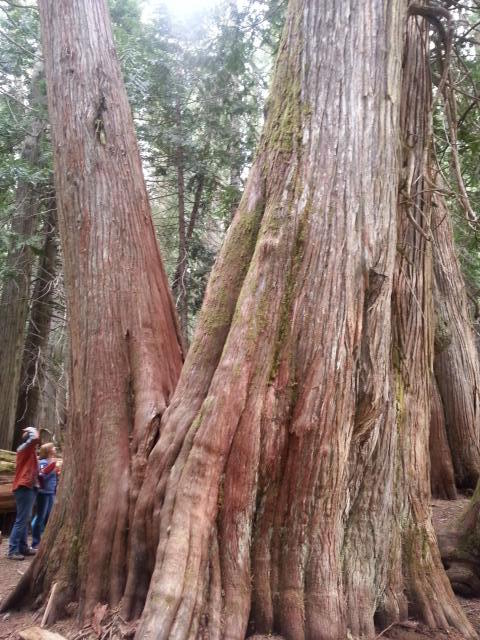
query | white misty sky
[179, 8]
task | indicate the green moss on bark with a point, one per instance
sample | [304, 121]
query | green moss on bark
[238, 251]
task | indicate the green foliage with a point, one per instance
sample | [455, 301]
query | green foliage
[196, 90]
[197, 94]
[465, 83]
[19, 36]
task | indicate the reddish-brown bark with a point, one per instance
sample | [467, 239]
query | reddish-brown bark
[442, 478]
[456, 361]
[427, 587]
[236, 467]
[271, 455]
[125, 352]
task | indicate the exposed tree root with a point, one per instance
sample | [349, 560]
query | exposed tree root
[464, 579]
[434, 602]
[459, 550]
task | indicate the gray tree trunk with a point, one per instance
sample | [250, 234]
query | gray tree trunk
[34, 356]
[15, 296]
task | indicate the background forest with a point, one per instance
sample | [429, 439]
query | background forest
[197, 88]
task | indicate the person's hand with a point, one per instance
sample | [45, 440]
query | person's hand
[31, 433]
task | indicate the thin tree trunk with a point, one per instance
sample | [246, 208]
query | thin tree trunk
[180, 278]
[53, 394]
[32, 375]
[236, 189]
[197, 200]
[456, 358]
[124, 343]
[235, 181]
[180, 284]
[16, 291]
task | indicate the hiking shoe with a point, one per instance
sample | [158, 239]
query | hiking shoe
[15, 556]
[29, 551]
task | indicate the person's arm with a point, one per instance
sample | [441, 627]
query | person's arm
[47, 468]
[32, 440]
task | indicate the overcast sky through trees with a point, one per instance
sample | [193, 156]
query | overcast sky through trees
[180, 8]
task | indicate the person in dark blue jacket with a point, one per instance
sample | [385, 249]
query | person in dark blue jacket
[47, 473]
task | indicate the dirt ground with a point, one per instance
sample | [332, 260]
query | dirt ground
[444, 512]
[10, 623]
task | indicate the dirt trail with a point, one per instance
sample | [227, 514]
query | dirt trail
[444, 512]
[10, 623]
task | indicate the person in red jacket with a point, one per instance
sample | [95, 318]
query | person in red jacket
[25, 484]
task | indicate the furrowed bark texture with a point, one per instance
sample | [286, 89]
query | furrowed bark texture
[289, 488]
[34, 356]
[16, 291]
[281, 435]
[442, 477]
[124, 341]
[427, 587]
[460, 550]
[456, 361]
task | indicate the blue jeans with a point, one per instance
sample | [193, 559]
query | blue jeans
[24, 499]
[44, 506]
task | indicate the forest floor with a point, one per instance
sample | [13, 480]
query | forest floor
[11, 623]
[444, 512]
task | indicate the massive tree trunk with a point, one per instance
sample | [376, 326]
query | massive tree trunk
[288, 489]
[125, 352]
[34, 356]
[283, 434]
[16, 290]
[428, 589]
[458, 366]
[456, 361]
